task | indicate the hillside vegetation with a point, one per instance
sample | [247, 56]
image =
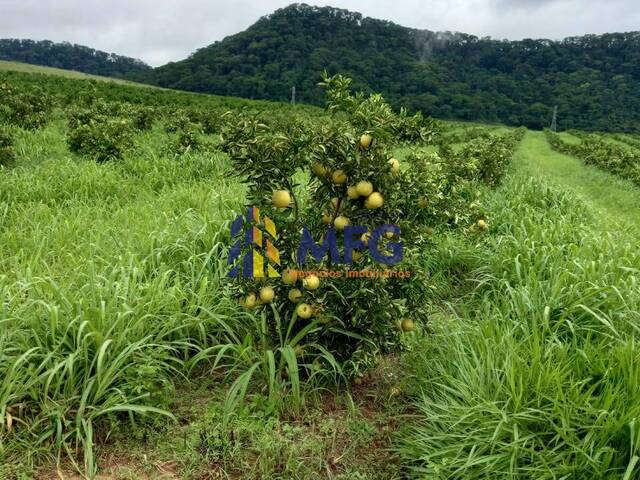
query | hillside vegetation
[69, 56]
[593, 79]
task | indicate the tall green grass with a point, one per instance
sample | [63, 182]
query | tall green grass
[536, 375]
[110, 281]
[612, 199]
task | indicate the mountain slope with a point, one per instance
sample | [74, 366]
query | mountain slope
[69, 57]
[594, 80]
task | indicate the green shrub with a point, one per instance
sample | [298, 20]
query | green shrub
[491, 156]
[142, 117]
[188, 139]
[592, 150]
[446, 184]
[210, 120]
[25, 109]
[444, 190]
[176, 122]
[98, 109]
[102, 138]
[103, 130]
[463, 135]
[415, 128]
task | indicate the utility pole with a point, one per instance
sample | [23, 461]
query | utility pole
[553, 120]
[293, 95]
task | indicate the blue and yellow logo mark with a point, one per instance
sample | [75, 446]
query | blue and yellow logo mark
[253, 243]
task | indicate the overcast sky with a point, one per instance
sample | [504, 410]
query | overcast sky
[159, 31]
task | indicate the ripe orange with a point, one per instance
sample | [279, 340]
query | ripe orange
[365, 141]
[294, 295]
[340, 222]
[374, 201]
[289, 276]
[364, 188]
[266, 294]
[339, 177]
[407, 325]
[319, 170]
[281, 199]
[312, 282]
[304, 311]
[249, 301]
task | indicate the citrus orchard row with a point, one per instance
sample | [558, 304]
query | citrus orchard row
[352, 179]
[596, 151]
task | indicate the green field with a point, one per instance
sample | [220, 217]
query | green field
[125, 351]
[28, 68]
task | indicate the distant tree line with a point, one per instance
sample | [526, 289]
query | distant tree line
[594, 79]
[70, 57]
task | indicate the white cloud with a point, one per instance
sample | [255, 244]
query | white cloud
[158, 31]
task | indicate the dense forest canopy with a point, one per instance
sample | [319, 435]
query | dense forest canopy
[70, 57]
[593, 79]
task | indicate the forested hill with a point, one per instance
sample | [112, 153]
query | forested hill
[70, 57]
[594, 79]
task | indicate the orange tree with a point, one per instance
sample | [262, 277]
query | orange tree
[350, 190]
[25, 108]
